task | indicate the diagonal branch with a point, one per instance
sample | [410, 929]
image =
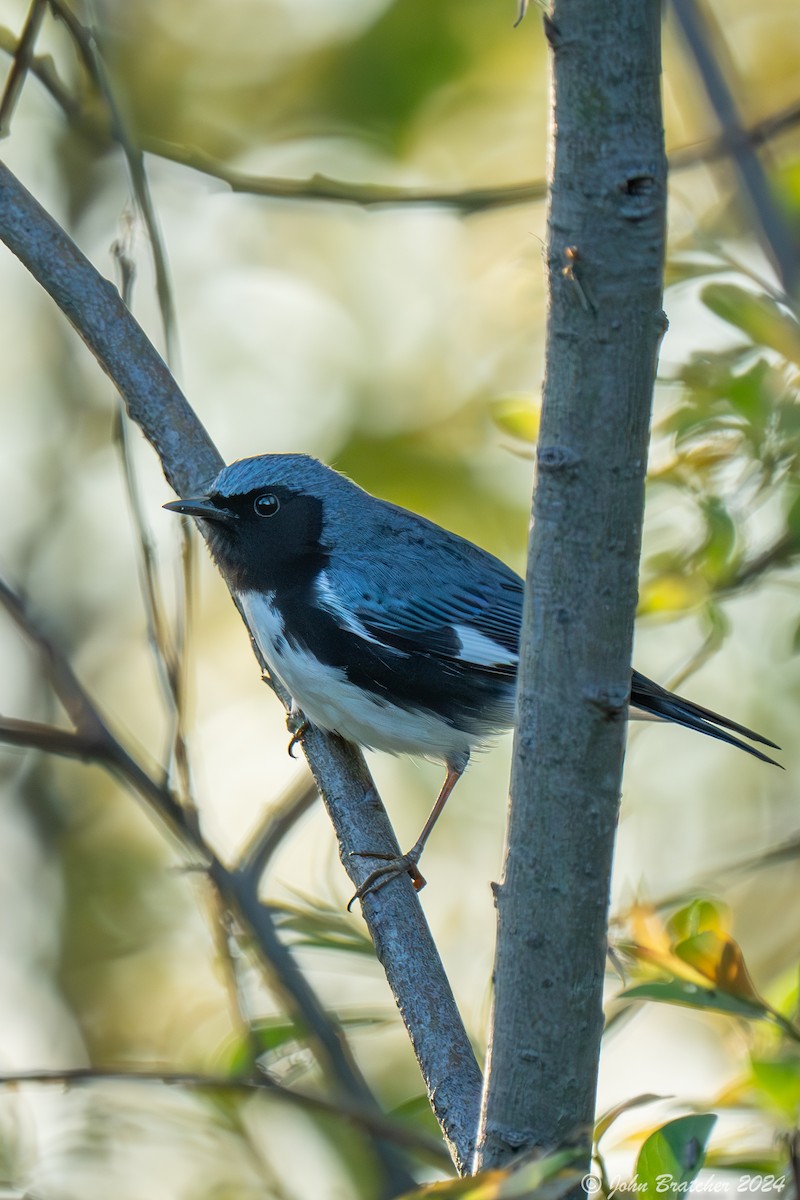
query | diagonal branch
[189, 459]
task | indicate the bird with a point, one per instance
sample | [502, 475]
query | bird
[384, 627]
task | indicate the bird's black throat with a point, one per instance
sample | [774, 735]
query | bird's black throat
[259, 553]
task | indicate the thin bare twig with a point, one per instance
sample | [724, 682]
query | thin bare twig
[706, 44]
[91, 736]
[364, 1118]
[170, 667]
[297, 800]
[704, 652]
[283, 817]
[230, 958]
[62, 12]
[321, 188]
[23, 56]
[33, 735]
[43, 69]
[469, 201]
[65, 682]
[757, 134]
[170, 657]
[88, 47]
[784, 852]
[779, 554]
[93, 739]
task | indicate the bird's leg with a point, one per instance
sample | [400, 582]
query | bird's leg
[395, 864]
[297, 724]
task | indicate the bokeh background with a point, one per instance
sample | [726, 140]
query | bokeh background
[403, 344]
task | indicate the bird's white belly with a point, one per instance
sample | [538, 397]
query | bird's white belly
[328, 699]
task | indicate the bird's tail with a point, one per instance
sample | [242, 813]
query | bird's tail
[655, 701]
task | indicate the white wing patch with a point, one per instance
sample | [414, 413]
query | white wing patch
[329, 600]
[477, 648]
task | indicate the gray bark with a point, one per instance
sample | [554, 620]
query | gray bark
[189, 459]
[604, 258]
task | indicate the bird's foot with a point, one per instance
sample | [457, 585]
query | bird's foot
[393, 866]
[297, 725]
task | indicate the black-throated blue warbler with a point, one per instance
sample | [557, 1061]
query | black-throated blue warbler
[384, 627]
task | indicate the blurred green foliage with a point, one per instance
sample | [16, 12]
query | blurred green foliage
[732, 444]
[692, 960]
[676, 1150]
[404, 346]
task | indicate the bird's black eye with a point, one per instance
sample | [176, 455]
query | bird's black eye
[266, 505]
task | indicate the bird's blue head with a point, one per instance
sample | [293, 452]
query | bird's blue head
[267, 518]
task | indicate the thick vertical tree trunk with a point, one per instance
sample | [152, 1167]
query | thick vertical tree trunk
[605, 256]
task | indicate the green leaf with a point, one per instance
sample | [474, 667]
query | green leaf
[756, 1162]
[416, 1112]
[786, 417]
[690, 995]
[671, 592]
[719, 958]
[272, 1035]
[321, 927]
[518, 416]
[758, 316]
[698, 917]
[720, 549]
[793, 519]
[674, 1154]
[708, 376]
[548, 1178]
[679, 270]
[608, 1118]
[778, 1083]
[752, 394]
[366, 82]
[717, 623]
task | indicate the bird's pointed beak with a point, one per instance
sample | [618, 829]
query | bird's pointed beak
[199, 506]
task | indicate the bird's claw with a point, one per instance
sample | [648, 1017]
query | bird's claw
[297, 725]
[393, 866]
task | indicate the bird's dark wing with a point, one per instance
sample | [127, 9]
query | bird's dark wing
[461, 608]
[466, 611]
[650, 698]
